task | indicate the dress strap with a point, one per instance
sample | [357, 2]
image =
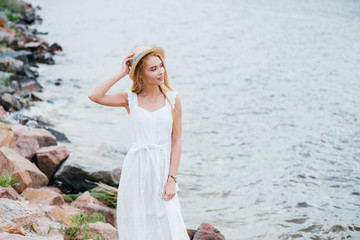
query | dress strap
[131, 99]
[172, 95]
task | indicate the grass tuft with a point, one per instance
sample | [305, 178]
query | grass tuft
[7, 180]
[81, 220]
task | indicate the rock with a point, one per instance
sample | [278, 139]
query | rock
[48, 228]
[13, 228]
[4, 90]
[24, 119]
[95, 167]
[33, 44]
[60, 137]
[54, 48]
[19, 212]
[54, 189]
[9, 236]
[36, 229]
[62, 213]
[31, 85]
[9, 64]
[9, 192]
[6, 165]
[44, 57]
[15, 86]
[7, 136]
[3, 19]
[22, 55]
[36, 97]
[91, 205]
[206, 231]
[43, 196]
[49, 158]
[24, 179]
[29, 73]
[2, 112]
[58, 81]
[26, 145]
[5, 75]
[22, 164]
[19, 129]
[43, 137]
[25, 94]
[104, 230]
[191, 233]
[27, 83]
[10, 102]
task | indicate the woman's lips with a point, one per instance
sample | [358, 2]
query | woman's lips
[161, 78]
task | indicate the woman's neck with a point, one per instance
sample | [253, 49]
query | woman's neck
[151, 91]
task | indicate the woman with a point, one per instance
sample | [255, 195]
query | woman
[147, 206]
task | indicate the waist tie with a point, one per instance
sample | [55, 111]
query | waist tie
[151, 154]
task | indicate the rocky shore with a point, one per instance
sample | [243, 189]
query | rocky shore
[44, 192]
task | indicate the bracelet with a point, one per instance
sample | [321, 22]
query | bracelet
[173, 177]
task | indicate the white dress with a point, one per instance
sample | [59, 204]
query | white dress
[142, 214]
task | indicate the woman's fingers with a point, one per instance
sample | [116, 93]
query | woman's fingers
[164, 193]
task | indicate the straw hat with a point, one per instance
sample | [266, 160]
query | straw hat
[140, 52]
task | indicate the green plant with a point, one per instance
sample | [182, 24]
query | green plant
[5, 82]
[3, 120]
[81, 220]
[104, 193]
[13, 17]
[11, 5]
[50, 229]
[7, 180]
[107, 198]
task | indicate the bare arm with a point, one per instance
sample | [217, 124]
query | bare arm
[98, 93]
[170, 186]
[176, 139]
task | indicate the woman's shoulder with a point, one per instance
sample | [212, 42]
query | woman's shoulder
[172, 92]
[173, 95]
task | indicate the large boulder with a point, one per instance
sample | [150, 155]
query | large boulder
[49, 158]
[43, 196]
[206, 231]
[98, 167]
[6, 165]
[9, 192]
[12, 228]
[10, 102]
[19, 212]
[43, 137]
[7, 137]
[22, 164]
[62, 213]
[14, 236]
[9, 64]
[26, 145]
[24, 181]
[91, 205]
[104, 230]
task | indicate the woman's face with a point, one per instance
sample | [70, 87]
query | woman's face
[153, 70]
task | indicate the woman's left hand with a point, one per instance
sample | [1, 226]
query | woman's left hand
[169, 190]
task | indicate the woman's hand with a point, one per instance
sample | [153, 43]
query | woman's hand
[125, 67]
[169, 189]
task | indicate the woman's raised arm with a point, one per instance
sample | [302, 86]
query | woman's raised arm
[98, 94]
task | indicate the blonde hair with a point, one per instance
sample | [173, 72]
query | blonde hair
[138, 82]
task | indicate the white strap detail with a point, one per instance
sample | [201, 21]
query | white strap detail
[130, 98]
[172, 96]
